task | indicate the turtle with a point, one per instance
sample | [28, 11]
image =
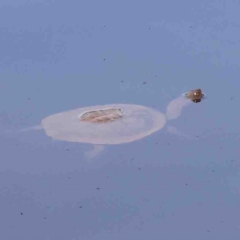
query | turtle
[110, 124]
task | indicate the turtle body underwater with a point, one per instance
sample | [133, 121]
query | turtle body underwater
[114, 123]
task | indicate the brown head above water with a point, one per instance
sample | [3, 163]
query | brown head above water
[195, 95]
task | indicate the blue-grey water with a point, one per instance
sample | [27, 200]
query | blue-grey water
[59, 55]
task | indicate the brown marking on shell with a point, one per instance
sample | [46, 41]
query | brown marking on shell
[102, 116]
